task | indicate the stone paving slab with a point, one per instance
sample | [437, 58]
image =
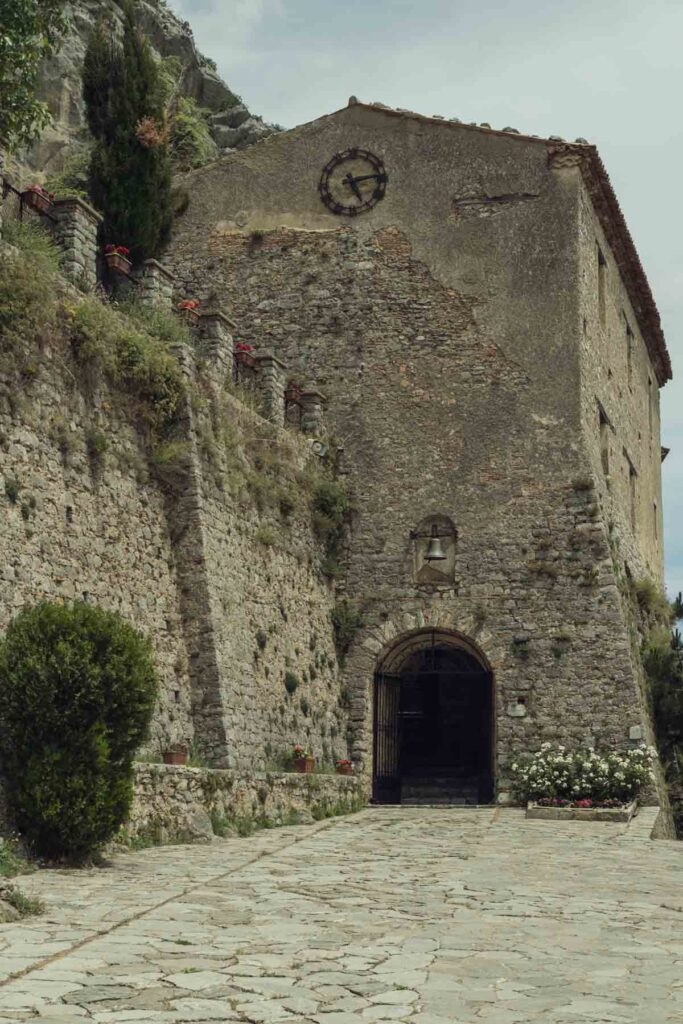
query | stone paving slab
[419, 915]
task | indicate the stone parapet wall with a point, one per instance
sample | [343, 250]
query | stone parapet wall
[180, 802]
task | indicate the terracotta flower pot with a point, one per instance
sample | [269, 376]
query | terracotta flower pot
[244, 358]
[175, 757]
[36, 200]
[304, 765]
[292, 393]
[119, 263]
[344, 769]
[191, 315]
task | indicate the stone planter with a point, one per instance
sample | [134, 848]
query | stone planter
[191, 316]
[623, 813]
[37, 201]
[118, 263]
[175, 757]
[303, 765]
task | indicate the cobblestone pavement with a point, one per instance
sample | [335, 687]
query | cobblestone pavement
[423, 915]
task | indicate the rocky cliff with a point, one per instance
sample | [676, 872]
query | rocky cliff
[231, 124]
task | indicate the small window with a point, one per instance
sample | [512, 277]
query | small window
[655, 521]
[602, 271]
[650, 406]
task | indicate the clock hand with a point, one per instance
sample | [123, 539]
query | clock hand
[367, 177]
[352, 182]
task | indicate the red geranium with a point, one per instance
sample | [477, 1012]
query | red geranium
[188, 304]
[121, 250]
[242, 346]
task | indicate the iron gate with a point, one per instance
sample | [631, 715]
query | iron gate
[386, 777]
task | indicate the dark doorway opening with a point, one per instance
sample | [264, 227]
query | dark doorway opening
[434, 728]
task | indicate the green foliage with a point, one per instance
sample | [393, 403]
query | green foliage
[652, 600]
[130, 170]
[291, 682]
[26, 906]
[12, 859]
[661, 657]
[77, 689]
[329, 509]
[31, 238]
[28, 304]
[346, 621]
[261, 639]
[31, 32]
[555, 772]
[190, 140]
[265, 535]
[12, 489]
[72, 180]
[135, 360]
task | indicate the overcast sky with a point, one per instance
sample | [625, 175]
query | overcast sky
[608, 70]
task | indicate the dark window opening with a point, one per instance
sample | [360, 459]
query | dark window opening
[602, 271]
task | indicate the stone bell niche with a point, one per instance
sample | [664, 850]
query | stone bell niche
[434, 543]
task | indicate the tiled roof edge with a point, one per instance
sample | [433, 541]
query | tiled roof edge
[611, 218]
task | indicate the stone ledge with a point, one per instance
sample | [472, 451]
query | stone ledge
[176, 801]
[623, 814]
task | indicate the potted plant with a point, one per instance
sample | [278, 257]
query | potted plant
[116, 258]
[189, 309]
[37, 198]
[244, 354]
[176, 754]
[344, 767]
[302, 760]
[293, 392]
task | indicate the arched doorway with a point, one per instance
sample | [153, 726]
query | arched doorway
[433, 721]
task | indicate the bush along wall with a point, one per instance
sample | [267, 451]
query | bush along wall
[77, 690]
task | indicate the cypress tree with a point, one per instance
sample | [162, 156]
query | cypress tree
[130, 168]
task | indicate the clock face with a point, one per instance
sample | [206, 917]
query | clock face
[352, 182]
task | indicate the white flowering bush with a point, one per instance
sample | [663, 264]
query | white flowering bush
[560, 777]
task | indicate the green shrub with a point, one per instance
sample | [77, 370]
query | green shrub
[134, 360]
[12, 859]
[12, 489]
[77, 689]
[346, 621]
[190, 140]
[291, 682]
[28, 302]
[652, 600]
[72, 180]
[329, 508]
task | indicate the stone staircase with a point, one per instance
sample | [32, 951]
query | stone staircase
[439, 788]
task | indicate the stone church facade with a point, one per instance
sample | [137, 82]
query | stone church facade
[470, 304]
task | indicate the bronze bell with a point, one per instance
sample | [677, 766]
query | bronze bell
[435, 552]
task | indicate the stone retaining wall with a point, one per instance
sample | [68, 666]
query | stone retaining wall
[196, 803]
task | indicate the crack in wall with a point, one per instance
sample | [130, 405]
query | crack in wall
[485, 205]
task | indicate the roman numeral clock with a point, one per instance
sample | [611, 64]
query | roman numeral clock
[352, 182]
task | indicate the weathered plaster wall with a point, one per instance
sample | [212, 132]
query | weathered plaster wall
[446, 337]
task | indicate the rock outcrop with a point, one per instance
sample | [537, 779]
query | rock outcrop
[232, 125]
